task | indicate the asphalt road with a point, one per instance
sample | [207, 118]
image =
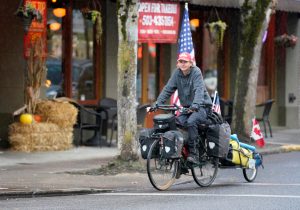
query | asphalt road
[277, 186]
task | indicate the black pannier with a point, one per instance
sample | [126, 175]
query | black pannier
[173, 142]
[218, 137]
[146, 141]
[164, 122]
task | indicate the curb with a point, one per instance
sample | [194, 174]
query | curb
[50, 193]
[281, 149]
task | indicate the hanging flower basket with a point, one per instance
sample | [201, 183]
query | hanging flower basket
[92, 12]
[286, 40]
[28, 13]
[216, 32]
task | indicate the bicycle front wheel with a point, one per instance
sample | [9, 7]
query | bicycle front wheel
[161, 171]
[206, 171]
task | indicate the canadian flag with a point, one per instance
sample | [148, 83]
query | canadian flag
[256, 134]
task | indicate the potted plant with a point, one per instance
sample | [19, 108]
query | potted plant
[286, 40]
[28, 12]
[216, 32]
[95, 17]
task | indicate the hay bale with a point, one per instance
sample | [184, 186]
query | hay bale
[61, 113]
[40, 137]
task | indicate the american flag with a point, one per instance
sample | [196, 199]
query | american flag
[216, 104]
[185, 37]
[185, 44]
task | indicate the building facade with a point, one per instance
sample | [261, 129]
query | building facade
[82, 67]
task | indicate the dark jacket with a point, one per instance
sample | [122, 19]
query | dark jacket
[191, 88]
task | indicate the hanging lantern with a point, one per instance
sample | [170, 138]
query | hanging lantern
[59, 12]
[54, 25]
[195, 23]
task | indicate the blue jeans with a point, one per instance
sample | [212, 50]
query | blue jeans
[191, 122]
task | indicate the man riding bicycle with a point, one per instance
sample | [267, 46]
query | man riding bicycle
[192, 93]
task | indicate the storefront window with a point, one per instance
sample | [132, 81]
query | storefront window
[74, 59]
[147, 73]
[82, 58]
[54, 56]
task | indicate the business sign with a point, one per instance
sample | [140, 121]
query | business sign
[158, 21]
[37, 29]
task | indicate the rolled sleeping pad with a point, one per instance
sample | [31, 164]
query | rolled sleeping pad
[234, 137]
[246, 146]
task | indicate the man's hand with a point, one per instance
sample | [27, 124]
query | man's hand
[152, 108]
[193, 108]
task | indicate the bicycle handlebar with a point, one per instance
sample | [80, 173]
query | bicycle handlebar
[172, 108]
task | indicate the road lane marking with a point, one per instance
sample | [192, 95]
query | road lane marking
[256, 184]
[271, 184]
[216, 183]
[198, 195]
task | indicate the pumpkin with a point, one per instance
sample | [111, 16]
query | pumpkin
[37, 118]
[26, 118]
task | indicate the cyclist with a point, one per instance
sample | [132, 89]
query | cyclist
[187, 79]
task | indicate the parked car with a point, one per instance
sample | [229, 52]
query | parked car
[82, 72]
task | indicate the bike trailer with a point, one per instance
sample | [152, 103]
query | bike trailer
[146, 141]
[164, 122]
[218, 137]
[172, 144]
[243, 154]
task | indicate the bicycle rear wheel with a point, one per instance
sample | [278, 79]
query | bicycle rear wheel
[161, 171]
[250, 174]
[206, 171]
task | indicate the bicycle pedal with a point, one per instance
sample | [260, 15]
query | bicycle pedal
[184, 171]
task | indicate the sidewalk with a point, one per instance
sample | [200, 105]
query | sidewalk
[43, 173]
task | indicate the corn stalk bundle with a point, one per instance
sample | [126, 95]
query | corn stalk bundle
[36, 71]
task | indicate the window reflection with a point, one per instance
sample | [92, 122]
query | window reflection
[54, 62]
[83, 87]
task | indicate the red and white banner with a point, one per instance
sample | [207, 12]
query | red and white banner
[37, 29]
[256, 133]
[158, 21]
[175, 100]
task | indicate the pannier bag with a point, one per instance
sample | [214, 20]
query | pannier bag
[146, 141]
[218, 137]
[164, 122]
[172, 144]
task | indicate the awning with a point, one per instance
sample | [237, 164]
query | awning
[218, 3]
[288, 5]
[283, 5]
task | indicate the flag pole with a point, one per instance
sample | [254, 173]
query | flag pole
[186, 5]
[215, 96]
